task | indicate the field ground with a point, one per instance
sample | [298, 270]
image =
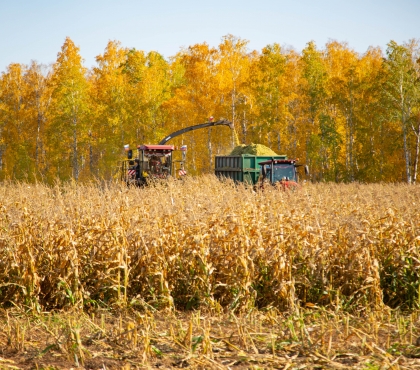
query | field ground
[202, 274]
[311, 339]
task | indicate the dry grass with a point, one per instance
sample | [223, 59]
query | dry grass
[310, 264]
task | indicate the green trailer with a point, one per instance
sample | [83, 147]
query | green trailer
[242, 168]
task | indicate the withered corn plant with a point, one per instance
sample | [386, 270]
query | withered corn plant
[206, 243]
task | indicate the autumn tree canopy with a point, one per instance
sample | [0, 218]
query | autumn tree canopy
[349, 116]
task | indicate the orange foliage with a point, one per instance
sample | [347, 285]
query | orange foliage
[334, 108]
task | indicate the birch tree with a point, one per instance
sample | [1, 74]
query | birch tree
[402, 90]
[69, 110]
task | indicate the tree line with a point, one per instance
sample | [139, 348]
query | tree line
[349, 116]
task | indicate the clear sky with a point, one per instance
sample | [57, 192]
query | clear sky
[36, 29]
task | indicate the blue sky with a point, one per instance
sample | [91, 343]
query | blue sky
[36, 29]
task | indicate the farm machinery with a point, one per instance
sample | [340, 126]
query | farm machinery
[156, 162]
[258, 170]
[281, 172]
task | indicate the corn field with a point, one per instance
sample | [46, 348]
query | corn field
[206, 244]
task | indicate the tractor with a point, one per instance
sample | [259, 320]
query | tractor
[281, 172]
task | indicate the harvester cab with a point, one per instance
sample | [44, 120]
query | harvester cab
[153, 162]
[282, 172]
